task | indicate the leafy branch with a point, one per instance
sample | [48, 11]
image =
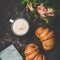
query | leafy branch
[34, 13]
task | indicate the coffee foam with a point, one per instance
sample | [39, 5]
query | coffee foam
[20, 27]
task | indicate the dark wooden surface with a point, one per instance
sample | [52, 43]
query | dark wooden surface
[12, 9]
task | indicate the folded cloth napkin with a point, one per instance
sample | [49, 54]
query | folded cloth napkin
[10, 53]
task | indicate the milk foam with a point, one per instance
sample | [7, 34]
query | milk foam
[20, 27]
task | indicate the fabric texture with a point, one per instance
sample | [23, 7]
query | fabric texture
[10, 53]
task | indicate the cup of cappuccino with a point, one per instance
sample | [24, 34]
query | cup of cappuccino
[20, 26]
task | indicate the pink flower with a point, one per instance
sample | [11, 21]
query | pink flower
[44, 13]
[41, 10]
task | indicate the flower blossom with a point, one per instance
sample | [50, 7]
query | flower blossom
[42, 11]
[30, 6]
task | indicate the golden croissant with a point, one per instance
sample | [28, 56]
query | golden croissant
[32, 52]
[46, 36]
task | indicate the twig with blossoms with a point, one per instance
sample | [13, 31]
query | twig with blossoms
[43, 12]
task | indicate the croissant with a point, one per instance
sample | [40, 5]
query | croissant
[32, 52]
[39, 57]
[46, 36]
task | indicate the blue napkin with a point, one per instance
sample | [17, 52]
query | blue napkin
[10, 53]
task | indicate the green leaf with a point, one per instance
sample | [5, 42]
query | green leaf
[47, 21]
[33, 1]
[26, 1]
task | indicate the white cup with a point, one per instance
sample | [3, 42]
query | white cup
[20, 26]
